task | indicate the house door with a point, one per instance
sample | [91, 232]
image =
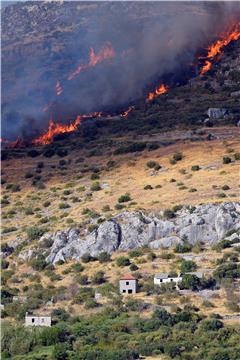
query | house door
[129, 291]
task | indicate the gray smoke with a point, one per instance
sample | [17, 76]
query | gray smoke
[44, 41]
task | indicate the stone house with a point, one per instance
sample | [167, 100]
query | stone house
[128, 284]
[37, 320]
[164, 278]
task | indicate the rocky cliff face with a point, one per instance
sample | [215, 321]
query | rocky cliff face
[206, 224]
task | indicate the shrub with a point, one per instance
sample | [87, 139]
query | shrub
[169, 214]
[95, 177]
[64, 206]
[226, 160]
[87, 258]
[98, 278]
[191, 282]
[35, 232]
[183, 248]
[135, 253]
[133, 267]
[82, 279]
[237, 156]
[9, 229]
[62, 152]
[177, 156]
[151, 164]
[60, 351]
[195, 167]
[106, 208]
[28, 175]
[124, 198]
[38, 263]
[221, 195]
[62, 162]
[95, 186]
[148, 187]
[123, 261]
[29, 211]
[46, 203]
[90, 304]
[104, 257]
[130, 148]
[119, 206]
[77, 267]
[225, 187]
[49, 153]
[187, 266]
[33, 153]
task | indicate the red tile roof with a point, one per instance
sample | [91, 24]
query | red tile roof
[128, 277]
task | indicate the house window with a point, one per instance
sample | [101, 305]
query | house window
[33, 320]
[127, 282]
[124, 291]
[130, 291]
[160, 280]
[42, 320]
[171, 279]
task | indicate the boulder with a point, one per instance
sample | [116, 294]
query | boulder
[216, 113]
[208, 223]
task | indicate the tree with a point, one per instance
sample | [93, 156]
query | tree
[191, 282]
[60, 351]
[187, 266]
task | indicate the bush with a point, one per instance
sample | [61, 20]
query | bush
[237, 156]
[82, 279]
[180, 249]
[104, 257]
[90, 304]
[221, 195]
[226, 160]
[46, 203]
[148, 187]
[195, 167]
[133, 267]
[98, 278]
[123, 261]
[119, 206]
[49, 153]
[87, 258]
[188, 266]
[95, 177]
[9, 229]
[151, 164]
[64, 206]
[130, 148]
[169, 214]
[124, 198]
[225, 187]
[35, 232]
[60, 351]
[28, 175]
[177, 156]
[33, 153]
[38, 263]
[77, 267]
[189, 281]
[95, 186]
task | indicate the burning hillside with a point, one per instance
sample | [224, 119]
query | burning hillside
[105, 59]
[216, 49]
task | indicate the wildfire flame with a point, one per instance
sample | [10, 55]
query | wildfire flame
[216, 49]
[125, 113]
[162, 89]
[56, 129]
[106, 52]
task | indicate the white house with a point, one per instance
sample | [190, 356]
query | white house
[128, 285]
[33, 320]
[164, 278]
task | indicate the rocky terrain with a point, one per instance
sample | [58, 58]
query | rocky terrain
[205, 224]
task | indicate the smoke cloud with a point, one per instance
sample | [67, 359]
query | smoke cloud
[43, 42]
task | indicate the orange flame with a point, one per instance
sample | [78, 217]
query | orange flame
[107, 52]
[125, 113]
[56, 129]
[162, 89]
[217, 48]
